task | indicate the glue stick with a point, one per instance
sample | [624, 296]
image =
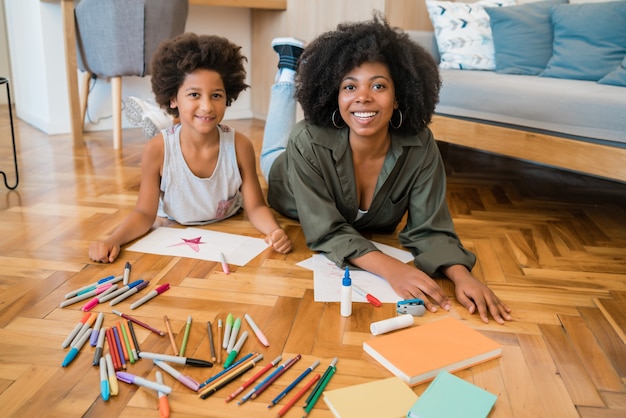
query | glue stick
[346, 294]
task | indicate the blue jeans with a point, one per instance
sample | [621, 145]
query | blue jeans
[281, 117]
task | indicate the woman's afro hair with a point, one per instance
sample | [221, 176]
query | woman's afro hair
[328, 58]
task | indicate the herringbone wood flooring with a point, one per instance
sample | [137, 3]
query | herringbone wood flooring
[550, 243]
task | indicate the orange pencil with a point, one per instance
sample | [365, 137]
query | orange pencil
[169, 332]
[119, 332]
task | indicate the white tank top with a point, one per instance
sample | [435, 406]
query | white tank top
[191, 200]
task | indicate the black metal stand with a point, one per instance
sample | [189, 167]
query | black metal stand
[4, 80]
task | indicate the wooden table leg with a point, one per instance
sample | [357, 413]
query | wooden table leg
[71, 68]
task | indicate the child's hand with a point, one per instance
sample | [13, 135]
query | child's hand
[103, 251]
[279, 241]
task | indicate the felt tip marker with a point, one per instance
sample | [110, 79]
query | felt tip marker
[126, 273]
[152, 294]
[176, 359]
[120, 291]
[95, 332]
[71, 355]
[164, 403]
[370, 298]
[68, 340]
[184, 379]
[129, 293]
[140, 381]
[88, 324]
[97, 299]
[257, 331]
[233, 335]
[99, 347]
[236, 349]
[225, 267]
[87, 295]
[227, 328]
[104, 380]
[114, 388]
[112, 279]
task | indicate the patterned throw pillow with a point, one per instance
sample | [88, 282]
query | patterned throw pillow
[463, 33]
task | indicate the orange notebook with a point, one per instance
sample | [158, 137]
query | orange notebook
[418, 354]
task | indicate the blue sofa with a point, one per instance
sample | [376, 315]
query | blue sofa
[574, 124]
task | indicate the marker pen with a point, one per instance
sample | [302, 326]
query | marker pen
[140, 381]
[113, 386]
[129, 293]
[71, 355]
[236, 349]
[104, 380]
[119, 291]
[164, 404]
[233, 335]
[227, 328]
[93, 340]
[96, 299]
[99, 347]
[184, 379]
[126, 273]
[152, 294]
[176, 359]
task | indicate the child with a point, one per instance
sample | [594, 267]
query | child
[196, 171]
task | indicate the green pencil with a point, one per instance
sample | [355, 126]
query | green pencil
[185, 337]
[311, 404]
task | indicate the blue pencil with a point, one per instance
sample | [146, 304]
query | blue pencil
[212, 378]
[267, 379]
[293, 384]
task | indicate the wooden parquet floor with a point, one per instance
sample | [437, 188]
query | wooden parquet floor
[550, 243]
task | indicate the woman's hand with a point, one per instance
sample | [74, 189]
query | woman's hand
[473, 294]
[279, 241]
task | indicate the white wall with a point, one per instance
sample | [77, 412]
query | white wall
[39, 85]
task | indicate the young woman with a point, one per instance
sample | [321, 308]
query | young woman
[363, 158]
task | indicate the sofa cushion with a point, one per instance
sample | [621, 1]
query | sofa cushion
[617, 77]
[463, 33]
[582, 109]
[522, 37]
[589, 40]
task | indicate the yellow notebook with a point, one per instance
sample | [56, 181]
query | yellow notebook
[386, 398]
[418, 354]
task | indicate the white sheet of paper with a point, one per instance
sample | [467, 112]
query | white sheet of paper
[327, 278]
[200, 243]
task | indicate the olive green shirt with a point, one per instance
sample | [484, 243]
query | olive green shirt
[313, 181]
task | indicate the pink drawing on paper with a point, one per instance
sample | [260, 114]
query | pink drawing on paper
[193, 243]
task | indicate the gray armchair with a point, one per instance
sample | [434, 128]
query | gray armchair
[117, 38]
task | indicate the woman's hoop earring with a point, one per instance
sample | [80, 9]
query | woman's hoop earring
[399, 123]
[332, 118]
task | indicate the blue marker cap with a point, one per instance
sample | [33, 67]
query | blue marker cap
[70, 356]
[346, 277]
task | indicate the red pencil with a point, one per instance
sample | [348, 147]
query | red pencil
[117, 365]
[253, 379]
[298, 395]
